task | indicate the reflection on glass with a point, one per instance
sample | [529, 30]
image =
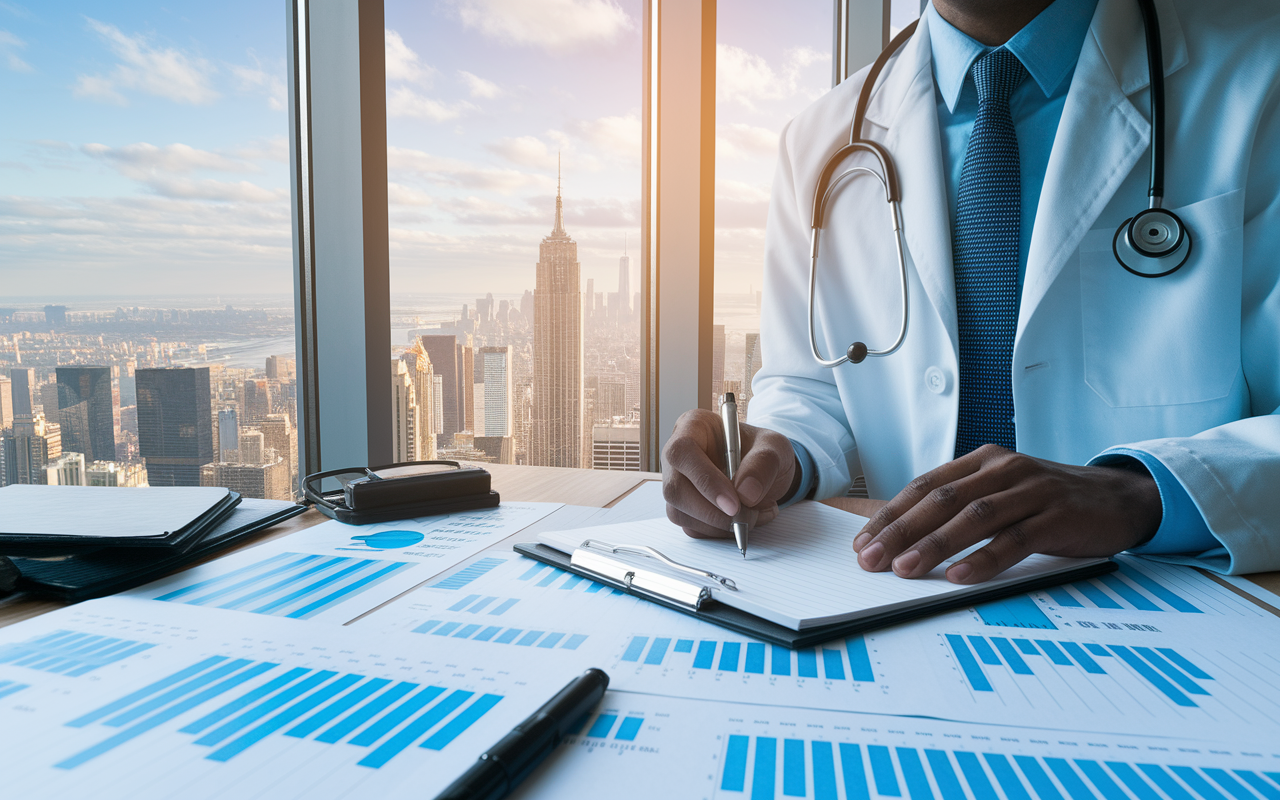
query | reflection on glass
[146, 333]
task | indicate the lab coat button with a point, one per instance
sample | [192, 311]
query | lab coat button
[936, 380]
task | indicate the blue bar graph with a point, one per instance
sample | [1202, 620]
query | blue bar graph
[263, 699]
[860, 771]
[852, 662]
[1127, 588]
[1015, 612]
[607, 723]
[499, 635]
[69, 653]
[10, 687]
[1166, 671]
[293, 585]
[545, 576]
[629, 728]
[467, 574]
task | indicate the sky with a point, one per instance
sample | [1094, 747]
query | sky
[143, 149]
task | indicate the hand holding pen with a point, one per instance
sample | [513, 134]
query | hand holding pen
[701, 499]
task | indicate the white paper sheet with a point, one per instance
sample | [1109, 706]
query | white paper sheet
[186, 702]
[334, 572]
[800, 569]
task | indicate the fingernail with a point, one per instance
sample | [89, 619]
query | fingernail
[860, 541]
[750, 491]
[871, 556]
[959, 573]
[906, 563]
[727, 504]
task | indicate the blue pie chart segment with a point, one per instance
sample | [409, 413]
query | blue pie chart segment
[391, 540]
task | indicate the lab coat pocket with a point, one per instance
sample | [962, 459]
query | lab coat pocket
[1171, 340]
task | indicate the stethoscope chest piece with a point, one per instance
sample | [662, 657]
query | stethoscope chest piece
[1152, 244]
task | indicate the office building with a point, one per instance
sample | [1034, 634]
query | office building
[404, 415]
[257, 401]
[253, 447]
[754, 359]
[615, 446]
[422, 374]
[175, 424]
[497, 449]
[624, 288]
[717, 366]
[586, 302]
[262, 481]
[280, 435]
[6, 402]
[228, 435]
[611, 397]
[466, 385]
[115, 473]
[557, 351]
[496, 365]
[29, 446]
[55, 316]
[282, 368]
[66, 470]
[443, 352]
[86, 412]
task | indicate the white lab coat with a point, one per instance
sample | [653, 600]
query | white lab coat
[1185, 367]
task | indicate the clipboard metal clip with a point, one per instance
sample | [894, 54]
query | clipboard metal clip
[593, 556]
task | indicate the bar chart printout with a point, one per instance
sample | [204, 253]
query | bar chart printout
[766, 767]
[1163, 670]
[225, 706]
[69, 653]
[497, 634]
[292, 585]
[840, 660]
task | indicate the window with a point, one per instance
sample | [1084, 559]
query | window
[514, 168]
[772, 60]
[147, 328]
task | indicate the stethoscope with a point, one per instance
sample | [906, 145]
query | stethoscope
[1151, 244]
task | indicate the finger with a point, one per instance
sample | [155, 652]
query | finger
[688, 452]
[930, 512]
[1009, 546]
[913, 494]
[698, 529]
[766, 470]
[980, 519]
[682, 497]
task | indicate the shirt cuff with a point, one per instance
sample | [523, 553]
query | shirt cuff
[1182, 526]
[808, 472]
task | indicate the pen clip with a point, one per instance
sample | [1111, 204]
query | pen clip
[649, 552]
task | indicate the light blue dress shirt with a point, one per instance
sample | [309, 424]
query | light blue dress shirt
[1048, 47]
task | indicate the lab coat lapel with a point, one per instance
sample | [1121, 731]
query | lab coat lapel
[1101, 137]
[905, 104]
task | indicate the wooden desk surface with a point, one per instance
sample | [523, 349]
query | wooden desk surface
[535, 484]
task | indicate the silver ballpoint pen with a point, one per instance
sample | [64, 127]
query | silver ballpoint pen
[733, 457]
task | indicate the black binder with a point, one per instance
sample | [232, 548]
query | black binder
[694, 599]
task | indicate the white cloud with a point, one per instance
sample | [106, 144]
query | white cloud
[163, 72]
[400, 195]
[738, 140]
[748, 79]
[741, 205]
[403, 64]
[405, 102]
[479, 87]
[256, 79]
[166, 170]
[403, 162]
[527, 151]
[555, 25]
[620, 136]
[9, 43]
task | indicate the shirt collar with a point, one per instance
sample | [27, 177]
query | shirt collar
[1048, 47]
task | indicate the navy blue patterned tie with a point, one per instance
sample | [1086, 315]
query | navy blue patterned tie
[988, 213]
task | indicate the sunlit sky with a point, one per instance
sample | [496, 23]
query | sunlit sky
[143, 149]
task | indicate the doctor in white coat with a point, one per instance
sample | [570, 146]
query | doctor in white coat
[1147, 410]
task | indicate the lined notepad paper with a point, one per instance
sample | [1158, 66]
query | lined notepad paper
[800, 571]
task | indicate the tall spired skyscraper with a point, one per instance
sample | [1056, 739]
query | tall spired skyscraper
[624, 286]
[557, 350]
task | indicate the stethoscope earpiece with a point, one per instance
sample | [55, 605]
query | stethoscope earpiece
[1152, 244]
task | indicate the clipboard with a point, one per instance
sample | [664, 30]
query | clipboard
[690, 593]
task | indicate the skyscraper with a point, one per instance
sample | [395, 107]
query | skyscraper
[717, 366]
[6, 402]
[624, 287]
[33, 442]
[557, 350]
[496, 362]
[228, 435]
[85, 412]
[175, 424]
[443, 352]
[404, 414]
[751, 367]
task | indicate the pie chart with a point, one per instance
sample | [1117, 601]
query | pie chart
[391, 540]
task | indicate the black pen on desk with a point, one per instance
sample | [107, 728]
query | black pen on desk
[732, 458]
[502, 767]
